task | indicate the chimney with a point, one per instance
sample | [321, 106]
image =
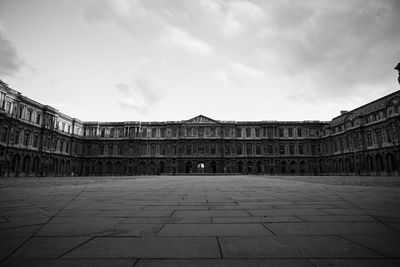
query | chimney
[343, 112]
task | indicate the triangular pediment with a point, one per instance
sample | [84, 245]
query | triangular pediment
[201, 120]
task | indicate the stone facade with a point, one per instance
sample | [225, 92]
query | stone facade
[38, 140]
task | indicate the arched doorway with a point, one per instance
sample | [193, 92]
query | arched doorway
[259, 166]
[109, 168]
[142, 168]
[379, 163]
[200, 167]
[26, 164]
[240, 167]
[249, 167]
[370, 165]
[283, 167]
[189, 167]
[35, 165]
[390, 162]
[161, 166]
[213, 167]
[303, 167]
[99, 168]
[152, 168]
[293, 167]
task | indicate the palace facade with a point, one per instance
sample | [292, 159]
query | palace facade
[38, 140]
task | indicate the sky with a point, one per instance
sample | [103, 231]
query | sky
[171, 60]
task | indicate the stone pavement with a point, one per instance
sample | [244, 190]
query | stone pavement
[198, 221]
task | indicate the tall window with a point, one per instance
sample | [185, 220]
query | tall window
[258, 150]
[110, 150]
[270, 149]
[280, 132]
[290, 132]
[153, 132]
[212, 150]
[26, 138]
[188, 149]
[239, 149]
[248, 149]
[299, 132]
[238, 132]
[248, 132]
[257, 132]
[282, 149]
[291, 149]
[301, 152]
[4, 133]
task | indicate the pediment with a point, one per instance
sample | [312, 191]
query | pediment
[201, 120]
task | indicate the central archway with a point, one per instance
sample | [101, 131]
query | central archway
[200, 167]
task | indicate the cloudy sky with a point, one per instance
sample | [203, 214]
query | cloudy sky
[157, 60]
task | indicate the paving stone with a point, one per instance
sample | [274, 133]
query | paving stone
[292, 247]
[48, 247]
[146, 247]
[287, 212]
[337, 218]
[389, 246]
[256, 219]
[69, 263]
[211, 213]
[250, 229]
[225, 262]
[356, 262]
[329, 228]
[8, 245]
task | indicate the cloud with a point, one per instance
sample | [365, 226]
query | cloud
[142, 95]
[184, 40]
[10, 61]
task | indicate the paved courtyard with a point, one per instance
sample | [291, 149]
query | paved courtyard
[200, 221]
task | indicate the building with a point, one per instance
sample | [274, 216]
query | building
[38, 140]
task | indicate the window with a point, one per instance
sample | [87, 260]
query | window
[270, 149]
[162, 132]
[212, 131]
[102, 132]
[112, 132]
[248, 149]
[257, 132]
[110, 150]
[291, 149]
[67, 145]
[200, 150]
[290, 132]
[26, 138]
[388, 135]
[35, 140]
[282, 149]
[188, 149]
[62, 146]
[16, 136]
[299, 133]
[119, 150]
[154, 132]
[226, 150]
[239, 150]
[238, 132]
[38, 118]
[280, 132]
[258, 150]
[378, 137]
[248, 132]
[301, 149]
[4, 134]
[369, 139]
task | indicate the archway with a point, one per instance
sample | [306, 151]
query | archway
[99, 168]
[213, 167]
[25, 165]
[249, 167]
[161, 167]
[303, 167]
[142, 168]
[152, 168]
[35, 165]
[109, 168]
[188, 167]
[293, 167]
[200, 167]
[259, 166]
[283, 166]
[370, 165]
[379, 163]
[390, 162]
[240, 167]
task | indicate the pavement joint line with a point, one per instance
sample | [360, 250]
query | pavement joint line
[70, 250]
[21, 226]
[384, 223]
[263, 224]
[34, 234]
[219, 248]
[361, 245]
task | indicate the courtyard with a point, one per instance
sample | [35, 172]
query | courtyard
[200, 221]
